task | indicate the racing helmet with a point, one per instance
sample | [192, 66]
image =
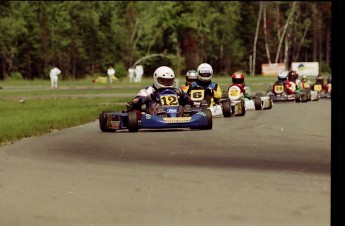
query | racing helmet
[282, 76]
[304, 78]
[292, 76]
[329, 79]
[205, 72]
[237, 78]
[319, 79]
[163, 77]
[191, 76]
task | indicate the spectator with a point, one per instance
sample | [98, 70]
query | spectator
[111, 74]
[131, 74]
[139, 71]
[54, 72]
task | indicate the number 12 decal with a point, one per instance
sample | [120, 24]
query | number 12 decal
[169, 100]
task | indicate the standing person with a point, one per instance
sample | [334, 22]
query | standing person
[139, 71]
[54, 72]
[212, 89]
[131, 74]
[111, 73]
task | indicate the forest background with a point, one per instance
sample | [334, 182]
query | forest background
[83, 38]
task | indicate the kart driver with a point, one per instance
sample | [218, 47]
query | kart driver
[204, 75]
[163, 78]
[238, 80]
[191, 76]
[293, 83]
[305, 83]
[282, 77]
[320, 81]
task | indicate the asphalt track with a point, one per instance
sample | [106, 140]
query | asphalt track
[267, 168]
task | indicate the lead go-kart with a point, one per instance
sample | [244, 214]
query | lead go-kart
[278, 93]
[258, 102]
[165, 114]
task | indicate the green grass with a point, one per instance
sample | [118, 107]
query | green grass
[75, 102]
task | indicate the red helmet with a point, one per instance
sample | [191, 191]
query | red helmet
[237, 78]
[292, 76]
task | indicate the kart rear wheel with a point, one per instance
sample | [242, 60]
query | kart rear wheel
[298, 97]
[257, 103]
[133, 122]
[103, 117]
[226, 108]
[243, 108]
[208, 114]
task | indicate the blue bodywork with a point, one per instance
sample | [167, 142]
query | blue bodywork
[169, 100]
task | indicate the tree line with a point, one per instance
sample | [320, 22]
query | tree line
[84, 37]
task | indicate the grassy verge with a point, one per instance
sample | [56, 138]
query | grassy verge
[31, 108]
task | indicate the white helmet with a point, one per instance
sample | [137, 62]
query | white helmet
[191, 76]
[282, 76]
[205, 72]
[163, 77]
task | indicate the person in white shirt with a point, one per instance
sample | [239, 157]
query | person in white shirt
[111, 73]
[139, 71]
[54, 72]
[131, 74]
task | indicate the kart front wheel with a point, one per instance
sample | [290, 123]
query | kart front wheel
[133, 122]
[226, 108]
[103, 118]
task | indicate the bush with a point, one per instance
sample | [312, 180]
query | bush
[16, 75]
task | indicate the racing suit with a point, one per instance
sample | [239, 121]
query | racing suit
[292, 87]
[150, 94]
[212, 89]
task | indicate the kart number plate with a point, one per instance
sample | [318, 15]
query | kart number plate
[169, 100]
[306, 85]
[278, 89]
[234, 92]
[197, 95]
[317, 87]
[177, 120]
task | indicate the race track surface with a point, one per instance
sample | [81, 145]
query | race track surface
[269, 167]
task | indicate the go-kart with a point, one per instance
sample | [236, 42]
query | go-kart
[165, 114]
[312, 95]
[322, 93]
[202, 99]
[278, 93]
[238, 102]
[258, 102]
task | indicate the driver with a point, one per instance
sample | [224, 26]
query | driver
[204, 75]
[238, 80]
[320, 81]
[163, 78]
[305, 83]
[191, 76]
[293, 83]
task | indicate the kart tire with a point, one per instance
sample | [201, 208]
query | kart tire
[298, 97]
[208, 114]
[243, 108]
[304, 97]
[103, 122]
[133, 122]
[226, 108]
[257, 103]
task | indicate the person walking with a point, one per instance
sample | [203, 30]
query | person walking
[54, 72]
